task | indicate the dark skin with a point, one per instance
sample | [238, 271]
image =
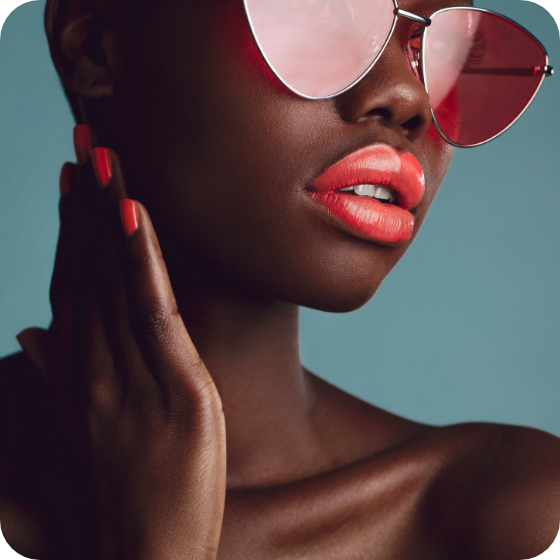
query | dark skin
[123, 451]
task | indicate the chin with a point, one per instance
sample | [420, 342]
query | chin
[322, 290]
[333, 303]
[333, 299]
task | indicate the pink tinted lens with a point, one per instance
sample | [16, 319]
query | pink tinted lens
[320, 47]
[481, 71]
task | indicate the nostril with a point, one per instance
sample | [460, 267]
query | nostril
[385, 114]
[413, 123]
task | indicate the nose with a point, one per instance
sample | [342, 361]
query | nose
[390, 95]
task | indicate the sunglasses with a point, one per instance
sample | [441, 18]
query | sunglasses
[480, 69]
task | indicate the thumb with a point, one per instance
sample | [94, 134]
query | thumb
[37, 345]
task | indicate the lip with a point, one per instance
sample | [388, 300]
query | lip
[378, 164]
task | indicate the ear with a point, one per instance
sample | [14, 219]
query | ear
[76, 33]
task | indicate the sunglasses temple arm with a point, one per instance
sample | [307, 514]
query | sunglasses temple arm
[414, 17]
[547, 70]
[521, 72]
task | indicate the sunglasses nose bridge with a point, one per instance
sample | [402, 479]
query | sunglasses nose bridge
[391, 94]
[412, 52]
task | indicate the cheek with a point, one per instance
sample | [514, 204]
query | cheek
[433, 136]
[236, 34]
[448, 115]
[437, 156]
[445, 152]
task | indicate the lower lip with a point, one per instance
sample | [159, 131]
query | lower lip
[385, 223]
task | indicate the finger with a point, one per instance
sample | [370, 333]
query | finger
[89, 259]
[62, 289]
[91, 228]
[67, 289]
[62, 275]
[90, 255]
[162, 335]
[70, 270]
[116, 298]
[84, 140]
[92, 351]
[108, 171]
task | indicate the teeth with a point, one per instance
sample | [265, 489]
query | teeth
[365, 190]
[371, 191]
[383, 193]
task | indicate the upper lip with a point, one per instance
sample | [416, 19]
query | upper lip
[378, 164]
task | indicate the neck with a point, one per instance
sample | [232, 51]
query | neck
[250, 345]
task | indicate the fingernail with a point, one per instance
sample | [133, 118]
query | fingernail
[129, 216]
[101, 159]
[82, 142]
[66, 176]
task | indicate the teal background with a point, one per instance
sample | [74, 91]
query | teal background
[465, 328]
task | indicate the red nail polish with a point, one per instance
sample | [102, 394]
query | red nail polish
[66, 176]
[101, 159]
[129, 215]
[82, 142]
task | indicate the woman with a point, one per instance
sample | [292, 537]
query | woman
[179, 422]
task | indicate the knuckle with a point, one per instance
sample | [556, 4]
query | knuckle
[100, 385]
[153, 325]
[200, 398]
[101, 396]
[208, 396]
[172, 409]
[180, 402]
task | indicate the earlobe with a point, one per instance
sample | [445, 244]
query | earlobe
[75, 31]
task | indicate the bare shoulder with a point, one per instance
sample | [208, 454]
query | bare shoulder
[498, 485]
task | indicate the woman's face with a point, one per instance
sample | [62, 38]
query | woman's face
[224, 154]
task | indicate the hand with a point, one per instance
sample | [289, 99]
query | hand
[127, 378]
